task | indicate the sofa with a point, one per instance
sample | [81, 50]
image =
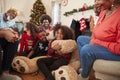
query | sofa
[107, 70]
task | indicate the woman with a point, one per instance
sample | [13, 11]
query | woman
[97, 7]
[105, 40]
[45, 23]
[46, 65]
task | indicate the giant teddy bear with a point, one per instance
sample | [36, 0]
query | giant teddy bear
[68, 46]
[68, 72]
[26, 65]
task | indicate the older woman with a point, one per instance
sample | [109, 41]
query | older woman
[105, 40]
[45, 23]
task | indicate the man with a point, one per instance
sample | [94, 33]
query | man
[8, 44]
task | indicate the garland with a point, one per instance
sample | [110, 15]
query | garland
[78, 10]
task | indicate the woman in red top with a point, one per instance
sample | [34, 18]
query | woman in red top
[29, 38]
[105, 40]
[46, 65]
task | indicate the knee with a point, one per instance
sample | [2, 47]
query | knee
[85, 50]
[40, 61]
[79, 38]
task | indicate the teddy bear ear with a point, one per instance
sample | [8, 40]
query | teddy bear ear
[66, 73]
[53, 73]
[50, 35]
[47, 34]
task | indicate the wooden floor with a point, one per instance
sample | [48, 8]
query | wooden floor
[33, 76]
[40, 76]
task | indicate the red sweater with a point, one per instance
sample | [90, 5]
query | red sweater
[27, 43]
[107, 32]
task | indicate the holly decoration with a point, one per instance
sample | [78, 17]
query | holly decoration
[84, 8]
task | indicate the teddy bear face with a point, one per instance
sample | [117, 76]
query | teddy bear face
[61, 74]
[65, 73]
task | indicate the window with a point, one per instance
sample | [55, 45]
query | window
[56, 12]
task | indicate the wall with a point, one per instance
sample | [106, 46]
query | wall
[75, 4]
[24, 6]
[1, 6]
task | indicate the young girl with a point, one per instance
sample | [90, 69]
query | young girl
[46, 65]
[29, 38]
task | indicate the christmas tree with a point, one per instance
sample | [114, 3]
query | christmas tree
[37, 11]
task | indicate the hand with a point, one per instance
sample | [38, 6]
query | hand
[58, 52]
[57, 47]
[10, 36]
[13, 31]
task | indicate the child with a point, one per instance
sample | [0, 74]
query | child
[46, 65]
[41, 47]
[29, 38]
